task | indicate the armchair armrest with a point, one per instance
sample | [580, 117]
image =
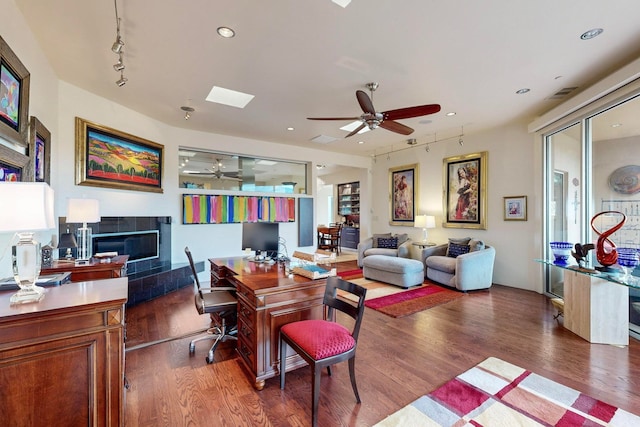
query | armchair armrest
[475, 268]
[362, 247]
[404, 250]
[440, 250]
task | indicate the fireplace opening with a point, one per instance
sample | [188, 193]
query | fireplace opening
[139, 245]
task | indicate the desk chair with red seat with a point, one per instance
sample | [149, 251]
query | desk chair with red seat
[322, 343]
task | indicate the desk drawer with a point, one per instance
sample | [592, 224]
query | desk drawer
[246, 313]
[247, 352]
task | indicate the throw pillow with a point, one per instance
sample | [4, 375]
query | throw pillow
[380, 236]
[456, 250]
[388, 243]
[475, 245]
[458, 241]
[402, 238]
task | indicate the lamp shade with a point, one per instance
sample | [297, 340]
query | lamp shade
[26, 206]
[67, 240]
[83, 210]
[425, 221]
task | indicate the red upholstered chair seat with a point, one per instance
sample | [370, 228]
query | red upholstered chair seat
[320, 338]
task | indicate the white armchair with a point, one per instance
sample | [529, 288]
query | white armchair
[465, 272]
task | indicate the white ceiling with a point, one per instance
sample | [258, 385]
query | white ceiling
[307, 58]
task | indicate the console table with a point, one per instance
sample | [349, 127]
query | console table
[62, 359]
[596, 304]
[93, 270]
[267, 299]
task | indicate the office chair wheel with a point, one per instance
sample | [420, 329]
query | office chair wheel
[192, 348]
[209, 359]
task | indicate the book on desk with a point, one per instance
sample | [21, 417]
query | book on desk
[9, 283]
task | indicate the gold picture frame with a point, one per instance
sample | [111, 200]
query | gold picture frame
[111, 158]
[39, 152]
[14, 90]
[403, 194]
[515, 208]
[465, 191]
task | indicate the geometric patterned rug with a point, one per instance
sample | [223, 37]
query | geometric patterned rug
[497, 393]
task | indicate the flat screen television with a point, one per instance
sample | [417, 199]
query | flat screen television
[261, 237]
[139, 245]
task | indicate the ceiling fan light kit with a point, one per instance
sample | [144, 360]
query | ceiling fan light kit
[386, 119]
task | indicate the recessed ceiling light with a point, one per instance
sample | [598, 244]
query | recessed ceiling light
[425, 121]
[360, 142]
[588, 35]
[226, 32]
[616, 125]
[523, 90]
[451, 113]
[290, 128]
[229, 97]
[343, 3]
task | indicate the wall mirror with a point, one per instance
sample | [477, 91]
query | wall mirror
[211, 170]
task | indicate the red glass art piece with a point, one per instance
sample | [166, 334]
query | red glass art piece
[606, 253]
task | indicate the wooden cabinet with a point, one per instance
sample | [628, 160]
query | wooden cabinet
[94, 270]
[267, 299]
[349, 199]
[350, 237]
[62, 359]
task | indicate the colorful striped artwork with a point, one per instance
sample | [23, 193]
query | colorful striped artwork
[222, 209]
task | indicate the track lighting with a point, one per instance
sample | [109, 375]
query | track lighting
[412, 141]
[427, 148]
[460, 141]
[122, 80]
[117, 47]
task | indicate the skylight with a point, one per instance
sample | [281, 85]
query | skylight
[353, 125]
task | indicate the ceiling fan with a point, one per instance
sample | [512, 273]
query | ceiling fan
[385, 119]
[216, 171]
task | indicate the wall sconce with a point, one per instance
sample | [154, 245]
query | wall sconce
[28, 208]
[83, 211]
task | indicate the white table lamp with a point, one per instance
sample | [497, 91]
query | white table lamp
[424, 222]
[27, 207]
[83, 211]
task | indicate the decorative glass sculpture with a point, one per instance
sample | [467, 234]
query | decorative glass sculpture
[606, 253]
[628, 259]
[561, 252]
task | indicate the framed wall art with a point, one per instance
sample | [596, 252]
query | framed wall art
[39, 151]
[515, 208]
[107, 157]
[465, 191]
[12, 164]
[14, 96]
[403, 194]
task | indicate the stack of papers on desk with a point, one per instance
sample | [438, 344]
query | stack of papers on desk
[312, 271]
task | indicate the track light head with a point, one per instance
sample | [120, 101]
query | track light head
[460, 141]
[187, 111]
[118, 66]
[187, 116]
[427, 148]
[117, 45]
[122, 80]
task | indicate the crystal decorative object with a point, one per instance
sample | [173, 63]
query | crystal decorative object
[26, 263]
[561, 252]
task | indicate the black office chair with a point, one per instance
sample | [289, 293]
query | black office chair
[322, 343]
[221, 304]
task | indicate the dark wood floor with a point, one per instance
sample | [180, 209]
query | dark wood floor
[398, 360]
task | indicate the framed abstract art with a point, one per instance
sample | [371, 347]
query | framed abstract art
[14, 96]
[39, 152]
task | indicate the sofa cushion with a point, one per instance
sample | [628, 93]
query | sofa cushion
[402, 238]
[458, 241]
[390, 243]
[475, 245]
[381, 251]
[379, 236]
[441, 263]
[456, 250]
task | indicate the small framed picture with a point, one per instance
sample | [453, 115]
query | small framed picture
[515, 208]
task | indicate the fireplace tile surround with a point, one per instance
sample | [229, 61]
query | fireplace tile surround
[148, 279]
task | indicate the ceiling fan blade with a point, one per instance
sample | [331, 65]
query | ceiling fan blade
[406, 113]
[365, 102]
[333, 118]
[396, 127]
[356, 130]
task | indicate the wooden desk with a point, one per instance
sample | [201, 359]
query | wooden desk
[267, 299]
[62, 359]
[94, 270]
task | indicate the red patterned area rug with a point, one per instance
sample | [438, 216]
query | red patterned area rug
[399, 302]
[497, 393]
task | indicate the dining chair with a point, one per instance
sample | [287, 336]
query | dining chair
[324, 342]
